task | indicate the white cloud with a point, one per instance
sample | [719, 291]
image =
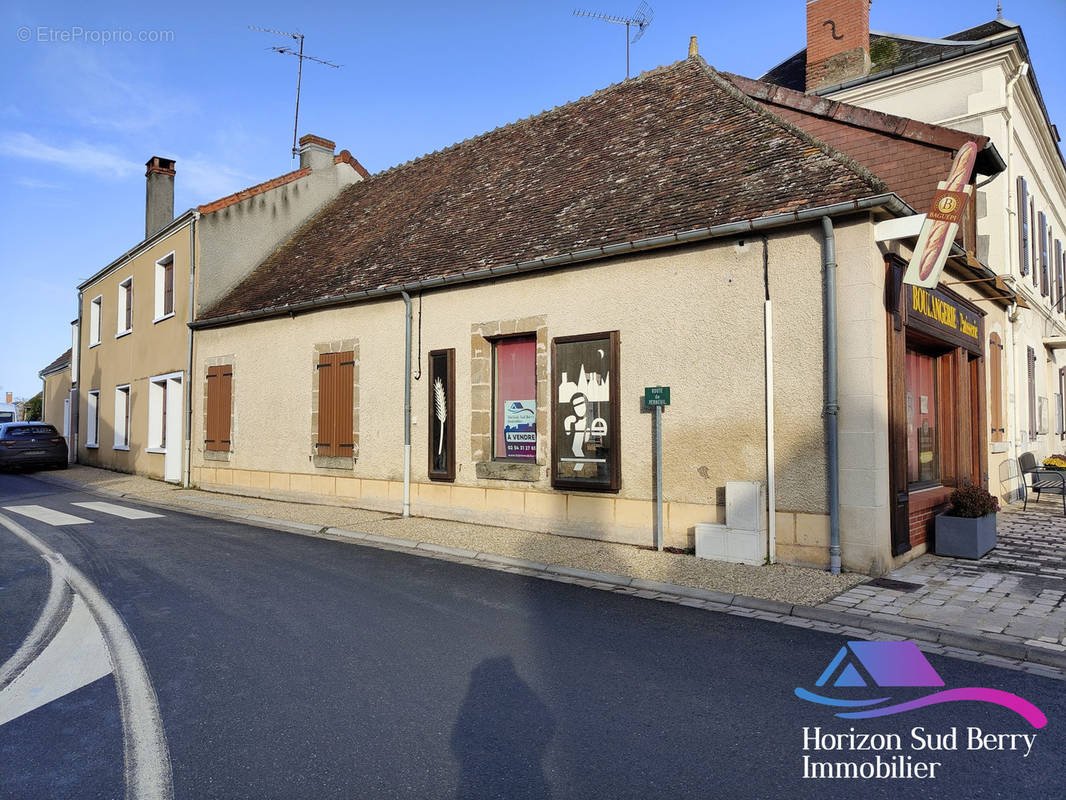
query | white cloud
[34, 183]
[78, 156]
[206, 180]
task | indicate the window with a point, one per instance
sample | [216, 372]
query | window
[1043, 234]
[1030, 359]
[219, 407]
[995, 388]
[1023, 225]
[1033, 238]
[157, 414]
[125, 307]
[442, 415]
[122, 417]
[585, 412]
[92, 419]
[95, 308]
[923, 454]
[1060, 276]
[514, 398]
[164, 288]
[336, 380]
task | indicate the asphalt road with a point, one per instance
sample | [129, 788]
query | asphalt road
[287, 666]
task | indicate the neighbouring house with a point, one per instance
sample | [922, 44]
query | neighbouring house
[132, 339]
[55, 397]
[470, 335]
[980, 80]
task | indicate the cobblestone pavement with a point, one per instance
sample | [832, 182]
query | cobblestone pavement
[1014, 594]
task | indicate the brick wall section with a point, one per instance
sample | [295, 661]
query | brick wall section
[924, 506]
[831, 59]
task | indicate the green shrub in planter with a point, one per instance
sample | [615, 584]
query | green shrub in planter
[968, 528]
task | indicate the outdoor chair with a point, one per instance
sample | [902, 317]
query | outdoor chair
[1040, 481]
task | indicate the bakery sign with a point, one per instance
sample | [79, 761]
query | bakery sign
[942, 221]
[944, 317]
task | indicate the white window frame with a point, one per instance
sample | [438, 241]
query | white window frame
[92, 423]
[96, 309]
[157, 398]
[160, 287]
[122, 417]
[125, 295]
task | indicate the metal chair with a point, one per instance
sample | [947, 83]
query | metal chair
[1040, 481]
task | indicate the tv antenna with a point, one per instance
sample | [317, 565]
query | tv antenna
[299, 53]
[640, 20]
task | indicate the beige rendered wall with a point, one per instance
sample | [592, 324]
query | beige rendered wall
[153, 348]
[56, 391]
[691, 319]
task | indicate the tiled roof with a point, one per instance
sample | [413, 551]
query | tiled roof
[58, 365]
[890, 51]
[675, 149]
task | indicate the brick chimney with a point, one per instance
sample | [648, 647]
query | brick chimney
[159, 194]
[316, 152]
[838, 41]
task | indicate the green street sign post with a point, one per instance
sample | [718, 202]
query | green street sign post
[656, 397]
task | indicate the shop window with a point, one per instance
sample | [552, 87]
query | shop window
[1023, 225]
[164, 288]
[923, 453]
[219, 407]
[95, 308]
[442, 415]
[585, 412]
[92, 428]
[335, 405]
[995, 388]
[514, 399]
[122, 417]
[124, 323]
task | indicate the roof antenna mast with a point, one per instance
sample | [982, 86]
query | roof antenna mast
[640, 20]
[299, 53]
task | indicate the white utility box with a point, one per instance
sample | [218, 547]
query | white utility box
[743, 538]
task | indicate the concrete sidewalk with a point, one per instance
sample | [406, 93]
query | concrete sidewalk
[950, 607]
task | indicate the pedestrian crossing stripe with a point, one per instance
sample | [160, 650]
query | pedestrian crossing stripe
[48, 515]
[118, 511]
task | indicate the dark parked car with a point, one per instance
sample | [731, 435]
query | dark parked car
[31, 444]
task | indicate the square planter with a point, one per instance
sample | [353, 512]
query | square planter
[964, 537]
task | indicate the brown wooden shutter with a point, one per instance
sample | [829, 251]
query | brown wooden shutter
[1023, 224]
[129, 306]
[336, 379]
[225, 405]
[168, 288]
[211, 434]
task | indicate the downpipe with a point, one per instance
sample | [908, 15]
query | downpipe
[406, 405]
[832, 409]
[186, 472]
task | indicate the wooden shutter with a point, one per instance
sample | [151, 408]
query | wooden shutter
[1060, 279]
[1043, 233]
[1033, 240]
[129, 306]
[1023, 224]
[336, 380]
[1031, 359]
[168, 288]
[995, 376]
[219, 407]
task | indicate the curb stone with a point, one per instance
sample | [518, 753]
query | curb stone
[995, 646]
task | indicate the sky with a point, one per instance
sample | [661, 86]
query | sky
[89, 94]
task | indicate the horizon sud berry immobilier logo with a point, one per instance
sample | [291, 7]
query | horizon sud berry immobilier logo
[877, 666]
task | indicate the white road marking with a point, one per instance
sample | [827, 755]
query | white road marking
[55, 612]
[147, 757]
[76, 657]
[48, 515]
[118, 511]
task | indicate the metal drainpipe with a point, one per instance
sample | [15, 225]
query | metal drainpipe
[407, 405]
[187, 469]
[832, 410]
[771, 468]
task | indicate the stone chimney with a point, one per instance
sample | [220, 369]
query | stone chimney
[159, 195]
[316, 152]
[838, 41]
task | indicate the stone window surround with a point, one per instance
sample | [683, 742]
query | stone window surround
[481, 412]
[221, 361]
[335, 462]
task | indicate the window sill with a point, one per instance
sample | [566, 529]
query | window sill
[216, 455]
[126, 332]
[508, 471]
[334, 462]
[121, 447]
[92, 446]
[165, 316]
[161, 450]
[93, 344]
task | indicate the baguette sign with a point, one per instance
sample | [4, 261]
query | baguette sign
[942, 221]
